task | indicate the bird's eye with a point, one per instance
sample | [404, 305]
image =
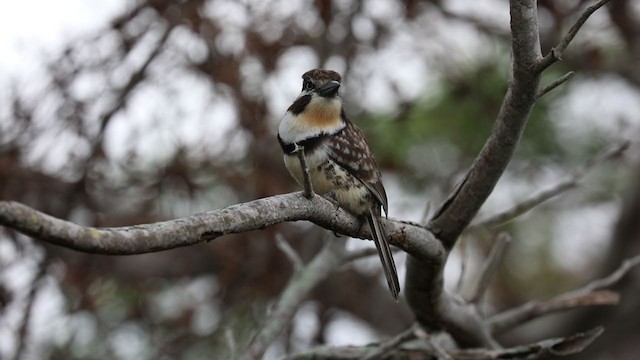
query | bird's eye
[308, 85]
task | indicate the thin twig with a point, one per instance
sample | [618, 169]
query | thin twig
[387, 346]
[489, 267]
[231, 343]
[555, 84]
[614, 277]
[556, 53]
[289, 252]
[588, 295]
[544, 195]
[23, 332]
[308, 186]
[462, 247]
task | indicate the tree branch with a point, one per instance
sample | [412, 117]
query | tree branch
[418, 349]
[588, 295]
[544, 349]
[289, 252]
[456, 213]
[327, 261]
[489, 268]
[23, 332]
[206, 226]
[387, 346]
[564, 78]
[556, 53]
[424, 285]
[569, 183]
[434, 308]
[424, 289]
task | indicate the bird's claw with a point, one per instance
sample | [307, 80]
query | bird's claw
[331, 197]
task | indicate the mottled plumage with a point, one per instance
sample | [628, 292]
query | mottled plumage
[338, 157]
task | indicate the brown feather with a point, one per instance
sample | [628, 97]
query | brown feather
[350, 150]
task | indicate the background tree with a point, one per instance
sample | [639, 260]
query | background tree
[172, 108]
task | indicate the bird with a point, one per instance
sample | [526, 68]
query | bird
[339, 161]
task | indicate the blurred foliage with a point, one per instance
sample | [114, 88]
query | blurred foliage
[459, 115]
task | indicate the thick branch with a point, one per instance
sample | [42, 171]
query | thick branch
[424, 290]
[253, 215]
[462, 205]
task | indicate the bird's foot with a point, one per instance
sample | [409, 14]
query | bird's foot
[331, 197]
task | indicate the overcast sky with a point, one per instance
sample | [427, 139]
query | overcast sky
[28, 27]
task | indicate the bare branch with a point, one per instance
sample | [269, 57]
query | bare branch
[588, 295]
[424, 349]
[555, 84]
[289, 252]
[541, 350]
[230, 339]
[463, 204]
[308, 186]
[326, 262]
[556, 53]
[424, 289]
[533, 309]
[23, 332]
[544, 195]
[387, 346]
[438, 350]
[253, 215]
[134, 80]
[614, 277]
[462, 247]
[489, 267]
[411, 343]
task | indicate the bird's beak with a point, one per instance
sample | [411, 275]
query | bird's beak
[329, 89]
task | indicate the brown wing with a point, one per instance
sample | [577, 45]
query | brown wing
[349, 149]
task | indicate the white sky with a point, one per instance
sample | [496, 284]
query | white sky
[29, 27]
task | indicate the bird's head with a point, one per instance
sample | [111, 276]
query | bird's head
[319, 106]
[322, 83]
[317, 110]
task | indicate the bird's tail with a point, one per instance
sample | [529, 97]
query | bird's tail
[386, 257]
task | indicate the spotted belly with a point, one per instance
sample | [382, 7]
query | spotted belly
[327, 176]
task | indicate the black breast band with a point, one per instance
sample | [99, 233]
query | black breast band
[309, 144]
